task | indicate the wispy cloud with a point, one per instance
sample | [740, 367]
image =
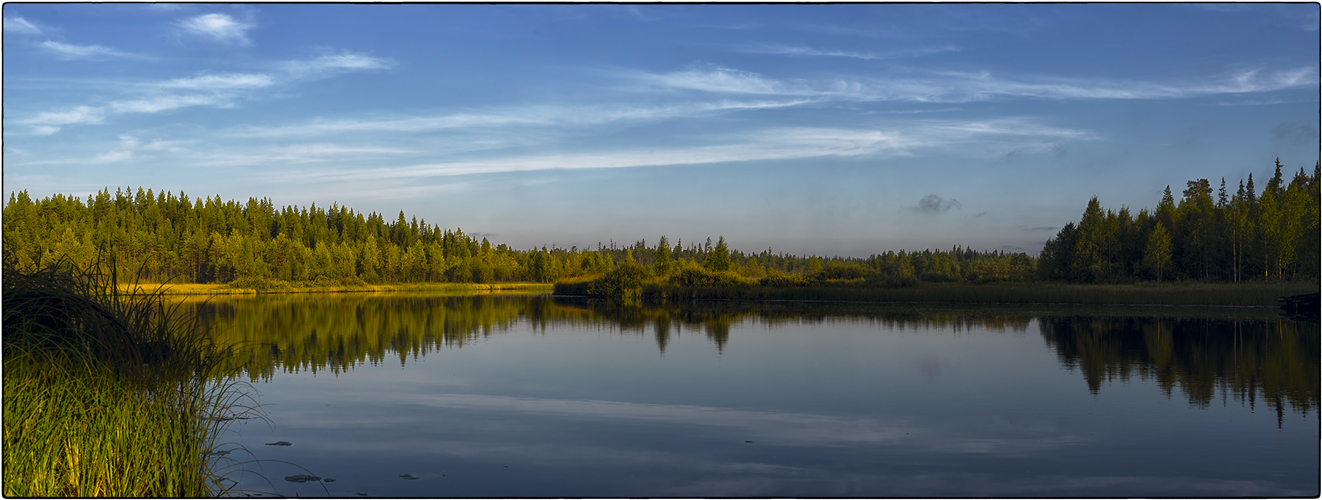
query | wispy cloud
[298, 153]
[967, 87]
[220, 81]
[218, 28]
[19, 26]
[220, 90]
[113, 156]
[94, 52]
[78, 115]
[792, 50]
[771, 144]
[165, 103]
[524, 116]
[720, 80]
[767, 145]
[133, 143]
[335, 63]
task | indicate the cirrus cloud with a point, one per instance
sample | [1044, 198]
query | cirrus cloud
[69, 51]
[20, 26]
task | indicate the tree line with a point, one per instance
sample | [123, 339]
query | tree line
[161, 235]
[1270, 235]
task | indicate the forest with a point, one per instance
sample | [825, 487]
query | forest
[1270, 235]
[158, 236]
[163, 236]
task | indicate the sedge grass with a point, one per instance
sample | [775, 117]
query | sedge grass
[107, 394]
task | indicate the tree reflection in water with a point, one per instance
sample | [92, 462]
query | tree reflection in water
[1247, 357]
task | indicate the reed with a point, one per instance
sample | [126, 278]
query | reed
[105, 393]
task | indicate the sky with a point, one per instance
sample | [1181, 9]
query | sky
[841, 129]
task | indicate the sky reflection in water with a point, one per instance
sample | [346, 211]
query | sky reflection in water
[563, 399]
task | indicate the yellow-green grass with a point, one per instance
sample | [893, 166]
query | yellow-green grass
[74, 428]
[209, 289]
[107, 394]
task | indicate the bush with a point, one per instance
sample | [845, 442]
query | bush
[624, 281]
[699, 277]
[777, 279]
[836, 270]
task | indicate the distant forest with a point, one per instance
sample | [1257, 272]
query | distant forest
[158, 236]
[1210, 236]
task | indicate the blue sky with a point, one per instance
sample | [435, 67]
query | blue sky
[811, 129]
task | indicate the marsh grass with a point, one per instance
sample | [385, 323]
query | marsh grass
[107, 393]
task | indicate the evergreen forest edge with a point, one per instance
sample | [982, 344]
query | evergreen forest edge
[1206, 236]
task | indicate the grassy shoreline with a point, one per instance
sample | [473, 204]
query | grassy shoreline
[1025, 293]
[1020, 293]
[209, 289]
[108, 394]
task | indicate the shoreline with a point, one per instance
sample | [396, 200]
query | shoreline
[1020, 294]
[213, 289]
[1024, 293]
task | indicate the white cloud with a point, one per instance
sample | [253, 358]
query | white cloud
[769, 145]
[164, 103]
[335, 63]
[966, 87]
[528, 116]
[134, 144]
[80, 114]
[221, 81]
[791, 50]
[86, 115]
[113, 156]
[218, 27]
[773, 144]
[719, 79]
[298, 153]
[20, 26]
[70, 51]
[219, 90]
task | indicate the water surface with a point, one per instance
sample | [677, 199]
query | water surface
[481, 396]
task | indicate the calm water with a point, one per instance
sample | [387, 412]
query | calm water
[534, 397]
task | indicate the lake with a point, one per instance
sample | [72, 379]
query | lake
[531, 396]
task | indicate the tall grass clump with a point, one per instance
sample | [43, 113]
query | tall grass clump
[107, 394]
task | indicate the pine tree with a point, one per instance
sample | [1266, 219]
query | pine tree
[718, 258]
[662, 263]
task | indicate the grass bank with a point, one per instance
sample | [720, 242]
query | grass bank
[107, 394]
[1168, 294]
[250, 287]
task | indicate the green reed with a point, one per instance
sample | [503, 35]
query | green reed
[105, 393]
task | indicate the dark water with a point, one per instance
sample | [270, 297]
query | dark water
[410, 395]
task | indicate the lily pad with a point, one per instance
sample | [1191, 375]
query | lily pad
[301, 478]
[280, 443]
[329, 480]
[410, 477]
